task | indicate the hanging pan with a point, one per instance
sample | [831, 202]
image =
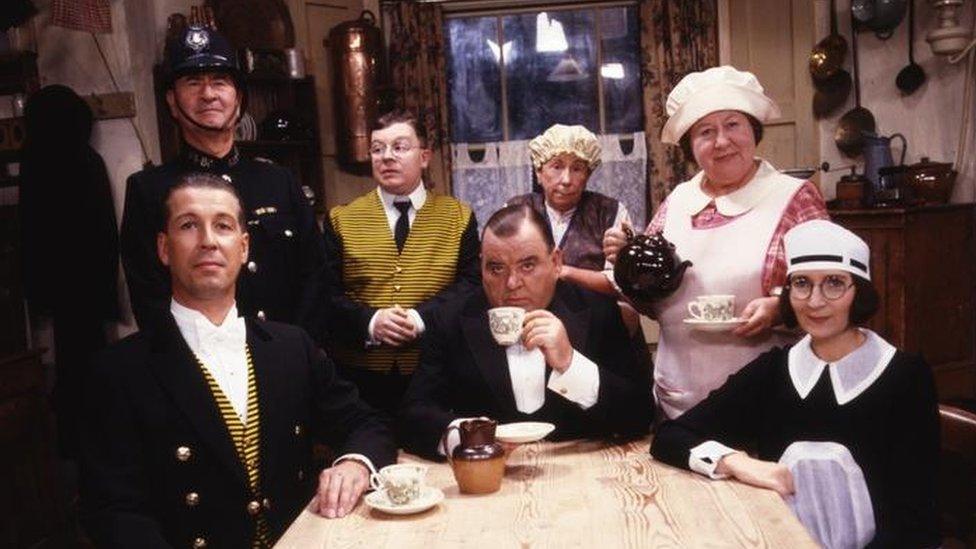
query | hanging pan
[849, 135]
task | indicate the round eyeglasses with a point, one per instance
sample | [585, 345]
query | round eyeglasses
[398, 149]
[832, 287]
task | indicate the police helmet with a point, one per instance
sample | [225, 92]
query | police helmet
[200, 49]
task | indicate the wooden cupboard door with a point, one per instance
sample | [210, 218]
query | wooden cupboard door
[772, 39]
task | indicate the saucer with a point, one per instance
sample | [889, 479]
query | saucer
[429, 497]
[714, 325]
[525, 431]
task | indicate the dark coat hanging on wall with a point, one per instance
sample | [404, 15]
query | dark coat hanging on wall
[70, 239]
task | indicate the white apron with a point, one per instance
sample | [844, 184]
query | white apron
[725, 260]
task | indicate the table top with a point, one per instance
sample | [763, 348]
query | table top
[571, 494]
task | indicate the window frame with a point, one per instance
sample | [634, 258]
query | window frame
[500, 8]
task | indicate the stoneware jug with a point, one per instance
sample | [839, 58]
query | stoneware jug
[478, 461]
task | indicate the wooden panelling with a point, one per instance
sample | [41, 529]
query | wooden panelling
[772, 39]
[922, 265]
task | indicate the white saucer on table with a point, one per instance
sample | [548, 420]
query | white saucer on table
[429, 497]
[714, 325]
[522, 432]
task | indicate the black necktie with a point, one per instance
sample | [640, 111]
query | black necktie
[402, 225]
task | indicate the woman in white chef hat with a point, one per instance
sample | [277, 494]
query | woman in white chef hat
[841, 384]
[728, 220]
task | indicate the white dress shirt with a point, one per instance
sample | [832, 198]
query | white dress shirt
[223, 351]
[417, 200]
[221, 348]
[580, 383]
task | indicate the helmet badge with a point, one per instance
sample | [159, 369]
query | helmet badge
[197, 39]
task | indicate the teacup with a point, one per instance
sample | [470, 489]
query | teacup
[506, 324]
[402, 482]
[712, 308]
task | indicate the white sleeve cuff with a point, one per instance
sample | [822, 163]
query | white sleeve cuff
[356, 457]
[580, 382]
[417, 321]
[704, 458]
[370, 340]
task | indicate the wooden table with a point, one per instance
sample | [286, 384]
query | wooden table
[572, 494]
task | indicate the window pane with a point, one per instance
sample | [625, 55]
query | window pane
[474, 79]
[621, 69]
[550, 71]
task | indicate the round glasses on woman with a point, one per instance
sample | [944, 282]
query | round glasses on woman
[831, 287]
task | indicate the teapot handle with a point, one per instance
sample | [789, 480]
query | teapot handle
[628, 232]
[904, 147]
[443, 443]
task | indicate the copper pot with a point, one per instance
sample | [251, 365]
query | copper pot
[931, 182]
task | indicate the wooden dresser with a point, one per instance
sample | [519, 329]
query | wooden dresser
[923, 262]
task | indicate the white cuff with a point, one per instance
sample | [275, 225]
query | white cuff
[417, 321]
[370, 340]
[704, 458]
[356, 457]
[453, 437]
[580, 382]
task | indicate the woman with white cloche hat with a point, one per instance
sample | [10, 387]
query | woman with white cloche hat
[864, 413]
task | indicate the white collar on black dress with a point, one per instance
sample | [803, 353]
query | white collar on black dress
[849, 376]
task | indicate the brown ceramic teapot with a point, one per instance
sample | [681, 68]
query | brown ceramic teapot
[478, 461]
[931, 182]
[648, 269]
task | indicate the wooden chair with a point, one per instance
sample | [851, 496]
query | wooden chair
[957, 476]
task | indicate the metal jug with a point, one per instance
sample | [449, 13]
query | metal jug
[877, 155]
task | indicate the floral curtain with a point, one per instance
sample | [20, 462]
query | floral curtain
[419, 76]
[676, 38]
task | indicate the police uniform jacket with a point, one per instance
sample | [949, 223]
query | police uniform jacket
[283, 278]
[159, 468]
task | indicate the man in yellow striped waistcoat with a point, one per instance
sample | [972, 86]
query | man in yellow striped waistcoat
[399, 251]
[198, 431]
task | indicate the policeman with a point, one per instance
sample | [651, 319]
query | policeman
[283, 279]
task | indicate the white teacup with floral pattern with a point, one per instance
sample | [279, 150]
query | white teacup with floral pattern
[712, 308]
[506, 324]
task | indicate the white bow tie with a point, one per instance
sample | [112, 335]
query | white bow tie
[231, 333]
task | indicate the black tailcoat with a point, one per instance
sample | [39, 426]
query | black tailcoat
[148, 398]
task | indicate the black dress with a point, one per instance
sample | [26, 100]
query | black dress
[891, 428]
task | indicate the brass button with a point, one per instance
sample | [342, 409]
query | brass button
[199, 543]
[396, 288]
[252, 266]
[253, 508]
[266, 503]
[289, 233]
[398, 269]
[183, 453]
[192, 499]
[262, 316]
[298, 430]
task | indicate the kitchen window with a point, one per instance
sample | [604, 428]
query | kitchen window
[512, 75]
